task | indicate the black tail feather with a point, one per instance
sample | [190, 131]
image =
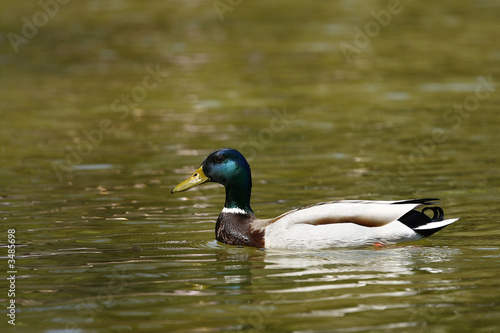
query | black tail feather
[425, 201]
[438, 214]
[414, 219]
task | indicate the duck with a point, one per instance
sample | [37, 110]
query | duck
[344, 223]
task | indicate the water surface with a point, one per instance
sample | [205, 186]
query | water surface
[108, 106]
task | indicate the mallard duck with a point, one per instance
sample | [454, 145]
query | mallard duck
[323, 225]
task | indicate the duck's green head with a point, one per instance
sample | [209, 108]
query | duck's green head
[228, 167]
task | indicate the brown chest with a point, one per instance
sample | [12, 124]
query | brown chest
[236, 229]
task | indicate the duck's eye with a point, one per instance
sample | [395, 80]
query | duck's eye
[219, 159]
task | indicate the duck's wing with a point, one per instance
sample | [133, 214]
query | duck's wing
[365, 213]
[353, 223]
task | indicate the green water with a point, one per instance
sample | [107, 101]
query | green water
[105, 106]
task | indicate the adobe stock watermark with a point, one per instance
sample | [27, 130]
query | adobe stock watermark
[121, 106]
[48, 10]
[259, 313]
[426, 316]
[455, 117]
[222, 6]
[362, 37]
[104, 299]
[255, 143]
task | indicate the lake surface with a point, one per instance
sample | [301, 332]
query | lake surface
[107, 105]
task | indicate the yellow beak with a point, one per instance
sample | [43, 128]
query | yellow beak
[196, 179]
